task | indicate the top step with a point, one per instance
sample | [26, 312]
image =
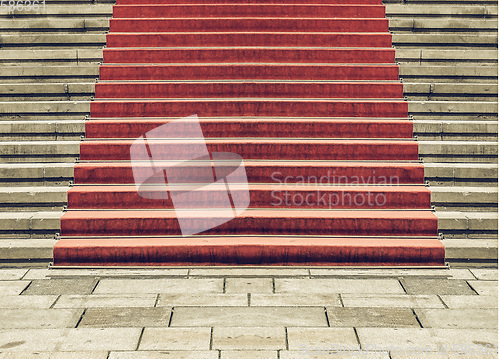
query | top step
[248, 10]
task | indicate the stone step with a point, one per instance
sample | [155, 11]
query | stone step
[456, 130]
[416, 108]
[39, 151]
[36, 174]
[451, 91]
[30, 224]
[44, 108]
[47, 92]
[458, 151]
[75, 10]
[41, 130]
[461, 174]
[51, 57]
[33, 198]
[418, 25]
[446, 56]
[457, 198]
[443, 10]
[434, 40]
[54, 24]
[49, 74]
[450, 72]
[457, 224]
[52, 39]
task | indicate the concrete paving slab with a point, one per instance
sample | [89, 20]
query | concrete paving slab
[96, 339]
[470, 301]
[175, 339]
[178, 354]
[116, 272]
[30, 340]
[320, 354]
[292, 300]
[307, 340]
[264, 338]
[484, 287]
[60, 286]
[248, 354]
[338, 285]
[436, 286]
[371, 317]
[57, 355]
[12, 273]
[418, 340]
[169, 286]
[39, 318]
[249, 285]
[126, 317]
[443, 355]
[485, 273]
[32, 301]
[204, 300]
[13, 287]
[458, 318]
[105, 301]
[391, 301]
[249, 272]
[248, 317]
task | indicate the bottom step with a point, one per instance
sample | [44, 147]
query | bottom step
[175, 251]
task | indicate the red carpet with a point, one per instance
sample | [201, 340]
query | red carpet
[306, 92]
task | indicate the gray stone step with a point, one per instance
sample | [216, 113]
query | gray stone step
[43, 73]
[452, 107]
[41, 130]
[435, 10]
[468, 224]
[44, 107]
[39, 151]
[33, 198]
[434, 40]
[439, 24]
[456, 130]
[30, 224]
[449, 72]
[47, 92]
[458, 151]
[445, 56]
[54, 24]
[51, 57]
[457, 198]
[55, 39]
[36, 174]
[73, 10]
[462, 174]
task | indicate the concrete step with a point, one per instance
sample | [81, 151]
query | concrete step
[447, 108]
[468, 224]
[36, 174]
[461, 174]
[44, 108]
[448, 72]
[75, 10]
[25, 199]
[423, 41]
[418, 25]
[49, 74]
[51, 57]
[456, 130]
[47, 92]
[458, 151]
[54, 130]
[45, 24]
[457, 92]
[52, 39]
[447, 56]
[433, 10]
[30, 224]
[457, 198]
[39, 151]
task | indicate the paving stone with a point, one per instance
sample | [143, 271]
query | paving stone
[57, 355]
[436, 286]
[113, 301]
[444, 355]
[292, 300]
[163, 285]
[12, 273]
[178, 354]
[470, 301]
[28, 340]
[484, 287]
[223, 300]
[175, 339]
[264, 338]
[248, 316]
[32, 301]
[485, 273]
[458, 318]
[307, 340]
[96, 339]
[60, 286]
[338, 285]
[371, 317]
[250, 272]
[116, 272]
[126, 317]
[39, 318]
[391, 301]
[404, 340]
[37, 273]
[13, 287]
[249, 354]
[249, 285]
[323, 354]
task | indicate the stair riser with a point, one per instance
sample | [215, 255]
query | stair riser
[248, 10]
[249, 226]
[294, 198]
[252, 24]
[164, 252]
[255, 128]
[248, 39]
[241, 90]
[404, 150]
[257, 55]
[290, 173]
[249, 72]
[203, 108]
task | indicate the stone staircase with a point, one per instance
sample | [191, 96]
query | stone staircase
[447, 55]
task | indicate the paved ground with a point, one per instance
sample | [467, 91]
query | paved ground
[248, 313]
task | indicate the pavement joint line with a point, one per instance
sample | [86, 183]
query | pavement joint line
[287, 347]
[171, 315]
[326, 316]
[157, 300]
[402, 286]
[357, 337]
[53, 304]
[442, 301]
[249, 296]
[341, 300]
[416, 317]
[471, 287]
[140, 338]
[210, 346]
[81, 317]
